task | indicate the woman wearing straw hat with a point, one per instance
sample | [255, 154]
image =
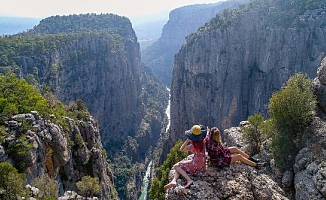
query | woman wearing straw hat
[196, 164]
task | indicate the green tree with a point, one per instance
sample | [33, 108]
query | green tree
[252, 133]
[89, 186]
[12, 184]
[291, 110]
[48, 187]
[18, 150]
[17, 96]
[293, 106]
[157, 191]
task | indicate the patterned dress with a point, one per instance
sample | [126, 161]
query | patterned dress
[219, 155]
[195, 164]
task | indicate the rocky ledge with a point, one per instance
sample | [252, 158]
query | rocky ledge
[238, 181]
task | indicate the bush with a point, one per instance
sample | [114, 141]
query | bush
[122, 171]
[17, 96]
[157, 191]
[78, 141]
[88, 186]
[252, 134]
[291, 110]
[293, 106]
[12, 184]
[47, 187]
[283, 150]
[18, 150]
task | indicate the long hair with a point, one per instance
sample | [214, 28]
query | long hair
[199, 146]
[215, 134]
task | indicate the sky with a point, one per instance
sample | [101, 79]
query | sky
[128, 8]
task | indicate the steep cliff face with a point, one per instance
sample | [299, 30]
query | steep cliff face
[96, 58]
[55, 151]
[229, 69]
[97, 62]
[182, 22]
[107, 80]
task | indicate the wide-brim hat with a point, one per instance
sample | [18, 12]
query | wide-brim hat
[197, 133]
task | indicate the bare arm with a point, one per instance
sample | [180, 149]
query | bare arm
[183, 146]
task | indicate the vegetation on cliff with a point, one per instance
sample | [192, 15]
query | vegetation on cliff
[175, 155]
[17, 96]
[277, 13]
[12, 183]
[16, 50]
[18, 144]
[291, 111]
[95, 58]
[110, 23]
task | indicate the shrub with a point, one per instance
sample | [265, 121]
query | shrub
[293, 106]
[17, 96]
[252, 134]
[157, 191]
[3, 134]
[18, 150]
[12, 184]
[78, 141]
[88, 186]
[291, 110]
[283, 150]
[47, 187]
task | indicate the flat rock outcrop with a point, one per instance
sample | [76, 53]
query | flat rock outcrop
[237, 181]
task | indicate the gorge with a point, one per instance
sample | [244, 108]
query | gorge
[227, 68]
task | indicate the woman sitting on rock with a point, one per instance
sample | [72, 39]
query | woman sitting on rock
[220, 155]
[196, 163]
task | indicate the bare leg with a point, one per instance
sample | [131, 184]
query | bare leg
[239, 157]
[185, 175]
[235, 150]
[174, 180]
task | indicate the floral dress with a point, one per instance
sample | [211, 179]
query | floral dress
[195, 164]
[219, 155]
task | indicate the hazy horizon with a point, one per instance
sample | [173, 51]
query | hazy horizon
[131, 9]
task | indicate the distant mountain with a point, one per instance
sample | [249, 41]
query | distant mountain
[148, 33]
[149, 28]
[13, 25]
[182, 22]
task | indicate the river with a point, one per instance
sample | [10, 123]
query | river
[144, 188]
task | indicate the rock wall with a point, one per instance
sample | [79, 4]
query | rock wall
[307, 180]
[53, 150]
[101, 67]
[229, 70]
[182, 22]
[96, 58]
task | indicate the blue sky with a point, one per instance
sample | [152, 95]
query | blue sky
[128, 8]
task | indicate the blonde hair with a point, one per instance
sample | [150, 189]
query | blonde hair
[216, 134]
